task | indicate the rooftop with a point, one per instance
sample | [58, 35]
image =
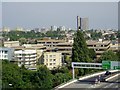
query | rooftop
[94, 42]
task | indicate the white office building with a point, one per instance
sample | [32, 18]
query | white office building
[26, 57]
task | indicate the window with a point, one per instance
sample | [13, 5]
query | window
[50, 60]
[50, 55]
[54, 56]
[54, 60]
[5, 56]
[46, 56]
[46, 60]
[6, 52]
[50, 63]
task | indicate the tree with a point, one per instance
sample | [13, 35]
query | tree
[108, 55]
[118, 55]
[11, 74]
[42, 78]
[92, 54]
[22, 41]
[68, 61]
[80, 51]
[23, 78]
[61, 75]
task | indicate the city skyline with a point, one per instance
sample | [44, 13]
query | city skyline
[102, 15]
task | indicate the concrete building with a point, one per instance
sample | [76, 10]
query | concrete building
[50, 42]
[54, 28]
[52, 59]
[26, 57]
[114, 46]
[82, 23]
[6, 29]
[98, 46]
[11, 43]
[6, 53]
[62, 28]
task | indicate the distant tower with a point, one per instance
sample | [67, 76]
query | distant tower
[82, 23]
[78, 23]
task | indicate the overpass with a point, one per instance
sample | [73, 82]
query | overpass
[112, 66]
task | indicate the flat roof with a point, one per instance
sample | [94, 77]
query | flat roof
[51, 40]
[11, 42]
[94, 42]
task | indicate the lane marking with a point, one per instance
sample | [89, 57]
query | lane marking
[112, 77]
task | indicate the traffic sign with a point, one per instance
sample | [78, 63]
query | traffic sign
[113, 65]
[106, 64]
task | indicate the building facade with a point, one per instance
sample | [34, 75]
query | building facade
[98, 46]
[6, 53]
[11, 43]
[52, 59]
[26, 57]
[82, 23]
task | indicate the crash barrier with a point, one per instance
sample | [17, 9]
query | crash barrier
[115, 75]
[81, 78]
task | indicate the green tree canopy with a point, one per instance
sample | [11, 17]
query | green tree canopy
[108, 55]
[92, 54]
[42, 78]
[80, 51]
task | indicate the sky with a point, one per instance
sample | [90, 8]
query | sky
[102, 15]
[59, 0]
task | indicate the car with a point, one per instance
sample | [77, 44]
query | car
[107, 73]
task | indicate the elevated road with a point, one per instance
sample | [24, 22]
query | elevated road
[89, 83]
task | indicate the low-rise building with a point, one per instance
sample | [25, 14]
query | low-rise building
[52, 59]
[114, 46]
[6, 53]
[64, 48]
[11, 43]
[50, 42]
[26, 57]
[98, 46]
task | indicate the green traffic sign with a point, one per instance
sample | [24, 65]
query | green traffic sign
[106, 64]
[116, 67]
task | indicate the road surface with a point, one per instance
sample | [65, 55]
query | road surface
[88, 84]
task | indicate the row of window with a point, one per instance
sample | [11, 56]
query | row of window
[5, 56]
[50, 64]
[51, 60]
[4, 52]
[97, 45]
[50, 56]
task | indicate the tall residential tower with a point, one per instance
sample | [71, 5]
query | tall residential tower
[82, 23]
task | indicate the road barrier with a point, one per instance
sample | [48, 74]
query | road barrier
[112, 76]
[81, 78]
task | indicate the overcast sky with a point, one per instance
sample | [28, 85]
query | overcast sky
[102, 15]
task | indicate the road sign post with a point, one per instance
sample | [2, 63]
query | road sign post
[73, 72]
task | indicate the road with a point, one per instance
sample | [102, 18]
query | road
[89, 84]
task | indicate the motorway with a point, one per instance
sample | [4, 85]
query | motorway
[113, 83]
